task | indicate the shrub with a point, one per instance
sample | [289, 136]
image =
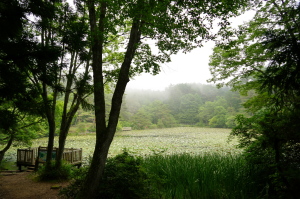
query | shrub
[52, 173]
[78, 177]
[123, 178]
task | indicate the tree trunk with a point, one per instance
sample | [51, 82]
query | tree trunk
[9, 143]
[50, 114]
[105, 134]
[68, 115]
[64, 129]
[65, 120]
[89, 189]
[51, 123]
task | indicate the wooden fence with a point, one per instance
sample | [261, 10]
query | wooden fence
[35, 156]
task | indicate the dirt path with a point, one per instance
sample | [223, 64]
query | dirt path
[22, 186]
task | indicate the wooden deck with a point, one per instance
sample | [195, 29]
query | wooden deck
[32, 157]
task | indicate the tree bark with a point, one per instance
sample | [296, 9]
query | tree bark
[89, 189]
[105, 134]
[64, 129]
[50, 114]
[9, 143]
[67, 117]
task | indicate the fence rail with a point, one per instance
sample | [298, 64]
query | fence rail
[34, 156]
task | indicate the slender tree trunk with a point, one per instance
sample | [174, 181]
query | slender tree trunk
[65, 120]
[65, 127]
[51, 123]
[105, 134]
[50, 114]
[8, 145]
[68, 115]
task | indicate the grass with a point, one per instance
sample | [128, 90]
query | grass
[209, 176]
[182, 163]
[191, 140]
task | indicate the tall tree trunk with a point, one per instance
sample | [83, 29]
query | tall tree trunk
[68, 115]
[64, 129]
[8, 145]
[89, 189]
[51, 123]
[65, 120]
[50, 114]
[105, 134]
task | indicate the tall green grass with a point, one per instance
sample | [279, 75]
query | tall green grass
[209, 176]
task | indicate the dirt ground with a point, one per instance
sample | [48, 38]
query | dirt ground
[21, 185]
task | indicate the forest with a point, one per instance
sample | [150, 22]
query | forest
[182, 105]
[64, 68]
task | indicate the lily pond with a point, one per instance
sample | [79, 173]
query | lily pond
[192, 140]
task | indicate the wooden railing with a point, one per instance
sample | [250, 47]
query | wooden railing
[26, 157]
[34, 156]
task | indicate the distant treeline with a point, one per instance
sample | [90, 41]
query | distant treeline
[181, 104]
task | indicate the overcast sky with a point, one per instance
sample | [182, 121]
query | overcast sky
[184, 68]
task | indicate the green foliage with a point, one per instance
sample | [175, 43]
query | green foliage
[205, 176]
[230, 122]
[141, 120]
[52, 173]
[183, 104]
[188, 108]
[217, 114]
[271, 140]
[78, 177]
[123, 178]
[154, 115]
[264, 58]
[8, 165]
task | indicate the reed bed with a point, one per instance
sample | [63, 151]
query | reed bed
[207, 176]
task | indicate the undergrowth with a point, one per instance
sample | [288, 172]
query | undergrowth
[180, 176]
[52, 173]
[123, 178]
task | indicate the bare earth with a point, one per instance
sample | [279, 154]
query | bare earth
[21, 185]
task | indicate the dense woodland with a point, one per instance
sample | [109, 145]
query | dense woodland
[178, 105]
[65, 65]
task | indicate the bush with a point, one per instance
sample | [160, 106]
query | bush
[52, 173]
[123, 178]
[72, 190]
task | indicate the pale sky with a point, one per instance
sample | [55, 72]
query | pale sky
[185, 68]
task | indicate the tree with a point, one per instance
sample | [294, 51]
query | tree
[44, 72]
[16, 128]
[219, 118]
[19, 103]
[174, 26]
[263, 57]
[77, 85]
[188, 109]
[141, 120]
[159, 114]
[54, 34]
[175, 92]
[206, 112]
